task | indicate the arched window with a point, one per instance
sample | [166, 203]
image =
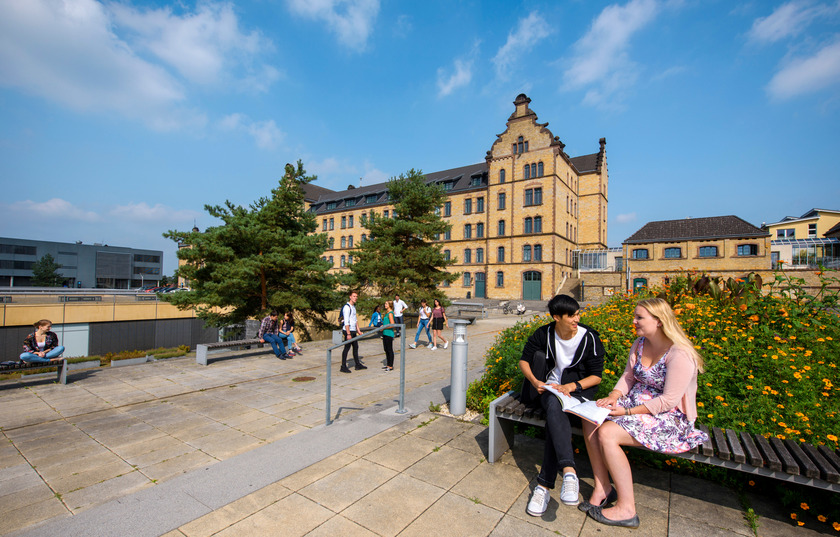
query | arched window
[502, 175]
[500, 254]
[447, 254]
[537, 252]
[538, 224]
[520, 145]
[502, 199]
[500, 279]
[467, 231]
[529, 225]
[332, 243]
[526, 252]
[467, 279]
[344, 242]
[479, 255]
[534, 170]
[540, 169]
[526, 172]
[501, 232]
[467, 255]
[364, 237]
[343, 261]
[350, 241]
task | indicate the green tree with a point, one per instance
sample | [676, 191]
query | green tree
[400, 256]
[265, 256]
[45, 272]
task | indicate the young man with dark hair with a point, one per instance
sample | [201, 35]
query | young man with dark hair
[569, 357]
[268, 333]
[349, 330]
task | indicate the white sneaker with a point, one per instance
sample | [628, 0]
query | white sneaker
[569, 492]
[434, 348]
[539, 501]
[413, 345]
[446, 345]
[430, 346]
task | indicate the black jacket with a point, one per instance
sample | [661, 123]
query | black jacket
[539, 353]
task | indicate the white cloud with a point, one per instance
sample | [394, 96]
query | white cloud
[529, 31]
[601, 63]
[351, 20]
[807, 75]
[374, 175]
[789, 20]
[625, 218]
[56, 209]
[460, 77]
[266, 134]
[142, 212]
[89, 57]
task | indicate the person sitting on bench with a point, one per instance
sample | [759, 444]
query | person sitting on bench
[41, 346]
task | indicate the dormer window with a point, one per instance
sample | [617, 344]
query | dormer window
[350, 203]
[371, 198]
[332, 205]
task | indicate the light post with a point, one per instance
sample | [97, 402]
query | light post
[458, 380]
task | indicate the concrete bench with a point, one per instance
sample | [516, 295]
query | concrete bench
[470, 307]
[785, 460]
[202, 350]
[61, 368]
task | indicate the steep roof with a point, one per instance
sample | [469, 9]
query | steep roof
[586, 163]
[712, 227]
[312, 192]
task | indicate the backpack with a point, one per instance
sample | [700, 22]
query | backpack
[341, 317]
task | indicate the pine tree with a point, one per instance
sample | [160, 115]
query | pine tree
[265, 256]
[45, 272]
[399, 256]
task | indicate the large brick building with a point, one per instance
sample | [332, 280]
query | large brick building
[516, 218]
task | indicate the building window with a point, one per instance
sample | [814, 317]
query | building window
[447, 254]
[332, 243]
[501, 232]
[500, 254]
[640, 253]
[479, 255]
[332, 261]
[501, 200]
[708, 251]
[479, 230]
[540, 169]
[785, 233]
[500, 279]
[747, 249]
[446, 283]
[371, 198]
[534, 170]
[475, 181]
[673, 253]
[538, 224]
[467, 231]
[447, 208]
[350, 241]
[344, 242]
[529, 225]
[332, 224]
[526, 172]
[812, 230]
[468, 206]
[332, 205]
[350, 203]
[479, 204]
[538, 252]
[533, 196]
[502, 175]
[386, 214]
[447, 235]
[364, 218]
[526, 252]
[324, 228]
[343, 261]
[449, 185]
[350, 221]
[467, 279]
[364, 237]
[467, 255]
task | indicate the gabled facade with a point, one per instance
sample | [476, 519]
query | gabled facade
[516, 218]
[814, 224]
[718, 246]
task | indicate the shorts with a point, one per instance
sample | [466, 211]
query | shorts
[437, 323]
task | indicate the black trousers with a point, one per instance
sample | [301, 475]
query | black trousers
[388, 345]
[355, 346]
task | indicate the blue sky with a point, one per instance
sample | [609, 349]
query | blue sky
[120, 120]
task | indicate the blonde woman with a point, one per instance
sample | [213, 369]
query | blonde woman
[653, 405]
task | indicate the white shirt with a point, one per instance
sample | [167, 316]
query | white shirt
[399, 306]
[564, 352]
[349, 317]
[425, 312]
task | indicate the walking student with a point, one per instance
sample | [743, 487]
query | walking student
[439, 320]
[424, 314]
[350, 329]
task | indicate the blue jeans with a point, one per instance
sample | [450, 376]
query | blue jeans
[32, 357]
[289, 340]
[424, 323]
[558, 452]
[276, 343]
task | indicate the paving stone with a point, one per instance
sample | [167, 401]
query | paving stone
[394, 505]
[462, 516]
[495, 485]
[338, 525]
[292, 516]
[445, 467]
[312, 473]
[232, 513]
[33, 514]
[98, 493]
[178, 465]
[515, 527]
[441, 430]
[705, 501]
[226, 443]
[402, 452]
[340, 489]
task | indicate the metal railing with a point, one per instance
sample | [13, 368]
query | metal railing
[362, 336]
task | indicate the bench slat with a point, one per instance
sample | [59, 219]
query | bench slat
[772, 460]
[788, 462]
[752, 451]
[828, 472]
[830, 456]
[738, 454]
[720, 442]
[708, 450]
[519, 409]
[501, 404]
[806, 465]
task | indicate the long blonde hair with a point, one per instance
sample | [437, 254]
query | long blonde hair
[671, 327]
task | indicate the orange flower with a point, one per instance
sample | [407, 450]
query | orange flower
[804, 506]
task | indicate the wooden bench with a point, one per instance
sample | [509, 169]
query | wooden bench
[785, 460]
[202, 350]
[470, 307]
[61, 368]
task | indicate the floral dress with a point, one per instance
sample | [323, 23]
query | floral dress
[666, 432]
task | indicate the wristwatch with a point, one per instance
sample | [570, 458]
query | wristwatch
[579, 387]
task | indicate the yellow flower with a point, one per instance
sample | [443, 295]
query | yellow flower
[752, 483]
[836, 526]
[821, 518]
[800, 523]
[793, 516]
[711, 415]
[804, 506]
[831, 437]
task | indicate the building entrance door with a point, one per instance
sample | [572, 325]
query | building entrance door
[480, 285]
[532, 285]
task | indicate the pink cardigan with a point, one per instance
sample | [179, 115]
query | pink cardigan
[680, 382]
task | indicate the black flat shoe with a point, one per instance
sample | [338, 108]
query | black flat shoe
[611, 498]
[596, 514]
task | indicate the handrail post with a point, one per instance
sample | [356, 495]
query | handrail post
[401, 409]
[329, 384]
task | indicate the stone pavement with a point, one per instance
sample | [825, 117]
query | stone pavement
[239, 447]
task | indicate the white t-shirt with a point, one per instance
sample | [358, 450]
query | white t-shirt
[564, 352]
[349, 317]
[424, 312]
[399, 306]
